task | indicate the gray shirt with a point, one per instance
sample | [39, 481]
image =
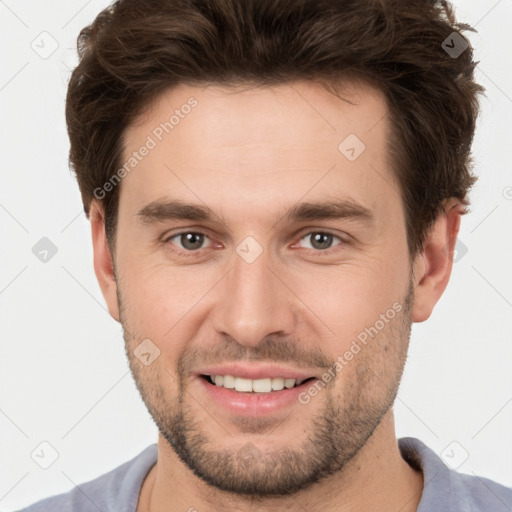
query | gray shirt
[444, 490]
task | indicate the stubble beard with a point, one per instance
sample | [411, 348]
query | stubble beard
[335, 434]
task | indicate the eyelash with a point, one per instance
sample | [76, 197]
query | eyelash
[196, 252]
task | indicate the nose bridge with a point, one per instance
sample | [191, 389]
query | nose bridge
[253, 302]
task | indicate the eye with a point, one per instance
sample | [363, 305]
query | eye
[320, 240]
[193, 241]
[188, 240]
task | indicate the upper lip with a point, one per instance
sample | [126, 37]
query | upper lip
[255, 371]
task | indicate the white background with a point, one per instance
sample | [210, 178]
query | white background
[64, 377]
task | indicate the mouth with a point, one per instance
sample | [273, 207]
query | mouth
[255, 386]
[253, 389]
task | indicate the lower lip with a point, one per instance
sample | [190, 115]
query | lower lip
[254, 404]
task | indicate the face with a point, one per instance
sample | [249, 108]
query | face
[263, 279]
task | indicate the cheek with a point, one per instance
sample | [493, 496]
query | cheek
[163, 304]
[351, 298]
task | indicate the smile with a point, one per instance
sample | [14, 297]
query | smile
[243, 385]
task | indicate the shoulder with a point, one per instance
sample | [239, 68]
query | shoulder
[450, 491]
[116, 490]
[485, 494]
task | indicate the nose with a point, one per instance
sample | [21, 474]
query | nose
[253, 303]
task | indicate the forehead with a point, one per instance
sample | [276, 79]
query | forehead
[231, 116]
[269, 145]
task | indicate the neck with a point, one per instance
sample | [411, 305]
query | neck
[377, 478]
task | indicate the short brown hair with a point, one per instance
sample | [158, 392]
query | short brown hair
[136, 49]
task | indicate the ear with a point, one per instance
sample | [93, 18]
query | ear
[103, 262]
[433, 266]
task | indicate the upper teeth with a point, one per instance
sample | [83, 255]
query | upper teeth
[257, 385]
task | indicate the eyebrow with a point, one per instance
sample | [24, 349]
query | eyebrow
[163, 210]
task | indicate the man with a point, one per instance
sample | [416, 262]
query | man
[275, 189]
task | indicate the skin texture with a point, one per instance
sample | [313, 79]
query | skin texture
[250, 154]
